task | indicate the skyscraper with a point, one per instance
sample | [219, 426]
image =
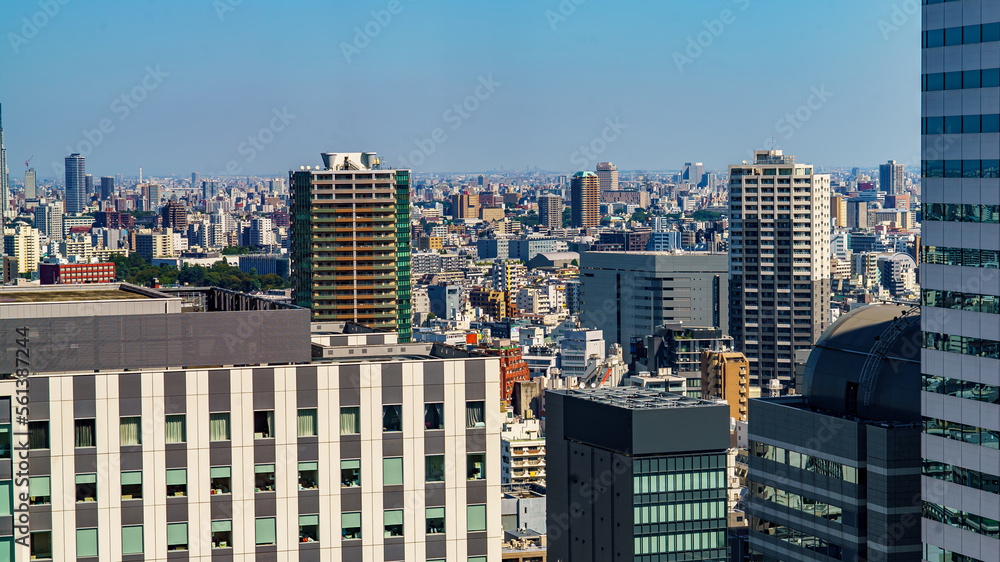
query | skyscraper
[608, 176]
[6, 211]
[779, 262]
[49, 218]
[89, 181]
[838, 211]
[195, 178]
[76, 183]
[585, 194]
[350, 253]
[693, 173]
[550, 211]
[960, 192]
[890, 178]
[30, 185]
[107, 187]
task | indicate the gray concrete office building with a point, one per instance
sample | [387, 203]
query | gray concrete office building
[620, 487]
[834, 473]
[960, 193]
[629, 294]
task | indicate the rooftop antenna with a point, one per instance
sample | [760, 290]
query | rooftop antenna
[772, 143]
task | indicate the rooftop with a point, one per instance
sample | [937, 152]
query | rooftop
[635, 398]
[75, 293]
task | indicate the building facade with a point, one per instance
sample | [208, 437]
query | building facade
[76, 273]
[607, 175]
[76, 184]
[585, 197]
[960, 191]
[350, 242]
[550, 211]
[891, 179]
[779, 270]
[726, 376]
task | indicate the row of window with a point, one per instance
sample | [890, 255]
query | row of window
[937, 554]
[959, 124]
[963, 35]
[971, 169]
[957, 300]
[797, 502]
[679, 481]
[969, 257]
[953, 212]
[810, 463]
[962, 432]
[678, 512]
[962, 520]
[965, 345]
[265, 532]
[964, 476]
[263, 425]
[961, 389]
[960, 80]
[796, 537]
[680, 542]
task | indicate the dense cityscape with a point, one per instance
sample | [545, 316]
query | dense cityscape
[767, 359]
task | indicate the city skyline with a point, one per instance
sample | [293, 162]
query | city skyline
[239, 117]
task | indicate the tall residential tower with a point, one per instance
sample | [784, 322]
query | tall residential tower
[76, 184]
[585, 197]
[960, 317]
[890, 178]
[351, 242]
[779, 262]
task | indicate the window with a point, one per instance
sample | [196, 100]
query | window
[308, 475]
[38, 435]
[222, 534]
[477, 559]
[351, 525]
[434, 416]
[350, 420]
[350, 473]
[41, 545]
[477, 517]
[434, 468]
[307, 423]
[132, 539]
[308, 528]
[218, 427]
[177, 536]
[84, 433]
[39, 490]
[86, 488]
[263, 425]
[263, 478]
[176, 428]
[222, 480]
[6, 499]
[176, 482]
[5, 440]
[265, 531]
[477, 466]
[132, 485]
[393, 519]
[392, 471]
[131, 431]
[392, 418]
[86, 542]
[435, 520]
[475, 414]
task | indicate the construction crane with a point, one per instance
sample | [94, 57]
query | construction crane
[28, 161]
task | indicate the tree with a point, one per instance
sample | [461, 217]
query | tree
[705, 215]
[639, 216]
[567, 217]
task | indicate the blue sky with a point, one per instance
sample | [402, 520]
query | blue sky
[255, 87]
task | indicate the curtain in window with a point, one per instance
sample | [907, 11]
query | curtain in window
[38, 436]
[349, 421]
[218, 427]
[85, 434]
[307, 423]
[175, 429]
[130, 432]
[270, 424]
[475, 415]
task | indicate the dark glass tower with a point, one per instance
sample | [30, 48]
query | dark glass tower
[76, 183]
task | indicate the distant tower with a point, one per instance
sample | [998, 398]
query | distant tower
[195, 177]
[76, 183]
[30, 185]
[107, 187]
[550, 211]
[890, 178]
[585, 200]
[607, 174]
[6, 211]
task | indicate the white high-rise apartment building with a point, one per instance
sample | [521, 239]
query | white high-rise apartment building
[607, 176]
[960, 316]
[779, 262]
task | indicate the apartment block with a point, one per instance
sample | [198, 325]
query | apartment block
[726, 376]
